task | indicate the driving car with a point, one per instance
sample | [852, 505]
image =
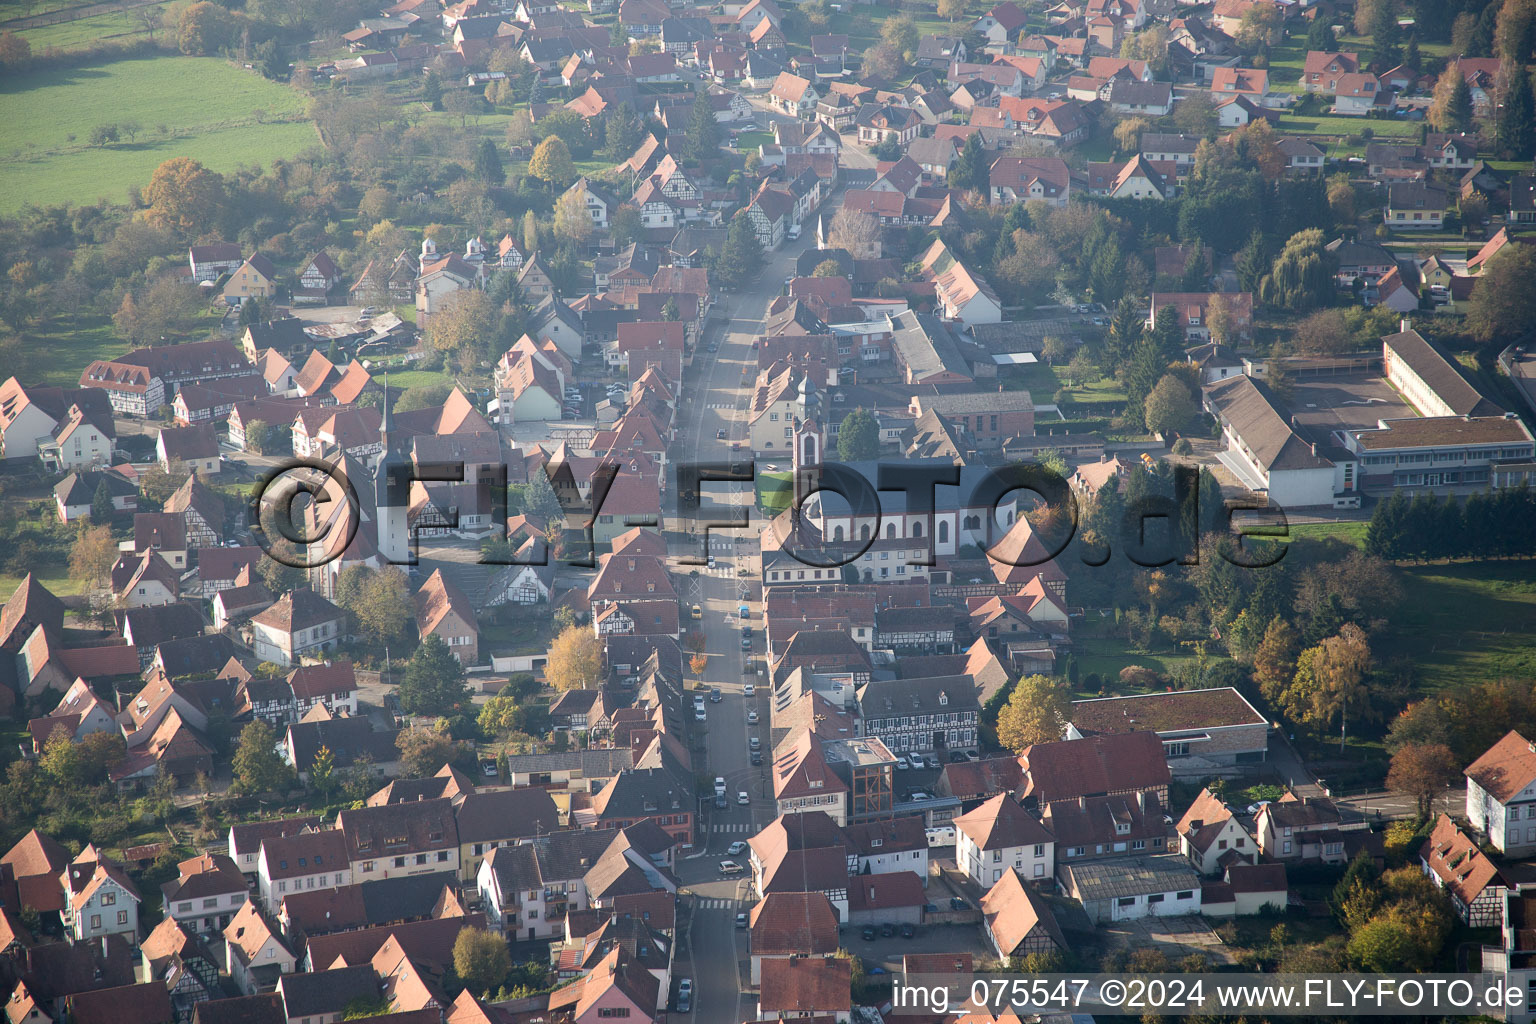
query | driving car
[711, 561]
[699, 715]
[749, 690]
[742, 798]
[741, 920]
[720, 434]
[746, 630]
[730, 867]
[735, 848]
[751, 717]
[720, 801]
[755, 743]
[719, 783]
[715, 697]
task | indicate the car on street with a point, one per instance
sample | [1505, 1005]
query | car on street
[711, 561]
[743, 799]
[755, 743]
[746, 643]
[751, 717]
[685, 995]
[714, 346]
[715, 696]
[699, 715]
[746, 630]
[736, 847]
[720, 434]
[757, 758]
[741, 920]
[730, 867]
[721, 803]
[719, 783]
[698, 612]
[749, 690]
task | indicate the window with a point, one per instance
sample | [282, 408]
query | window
[442, 855]
[399, 862]
[184, 908]
[1138, 844]
[997, 856]
[122, 917]
[108, 898]
[1039, 849]
[1039, 870]
[210, 904]
[1157, 897]
[1286, 848]
[1184, 894]
[1126, 901]
[95, 920]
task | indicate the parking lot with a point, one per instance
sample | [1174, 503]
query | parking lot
[1175, 936]
[887, 953]
[1325, 404]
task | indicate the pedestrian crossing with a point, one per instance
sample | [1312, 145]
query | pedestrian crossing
[719, 904]
[729, 828]
[717, 406]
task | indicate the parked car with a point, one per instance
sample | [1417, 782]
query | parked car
[755, 743]
[757, 758]
[685, 995]
[956, 903]
[746, 643]
[741, 920]
[887, 930]
[751, 717]
[868, 934]
[957, 757]
[901, 763]
[907, 931]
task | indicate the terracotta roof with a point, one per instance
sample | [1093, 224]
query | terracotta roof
[298, 609]
[1002, 822]
[1012, 910]
[885, 891]
[794, 922]
[146, 1003]
[983, 778]
[806, 985]
[1505, 768]
[1093, 766]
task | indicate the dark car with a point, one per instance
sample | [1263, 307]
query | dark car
[757, 757]
[957, 757]
[720, 434]
[907, 931]
[869, 932]
[956, 903]
[746, 630]
[887, 930]
[720, 801]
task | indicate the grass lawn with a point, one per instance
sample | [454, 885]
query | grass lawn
[523, 634]
[1349, 533]
[71, 347]
[1291, 124]
[1468, 622]
[199, 107]
[1107, 655]
[55, 577]
[747, 142]
[78, 34]
[1106, 389]
[417, 378]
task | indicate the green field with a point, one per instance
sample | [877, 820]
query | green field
[1349, 533]
[78, 34]
[1339, 127]
[1467, 623]
[199, 107]
[71, 347]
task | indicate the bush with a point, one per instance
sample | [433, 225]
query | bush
[1183, 447]
[1140, 675]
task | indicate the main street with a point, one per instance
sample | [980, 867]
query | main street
[716, 396]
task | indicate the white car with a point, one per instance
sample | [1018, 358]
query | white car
[719, 783]
[749, 690]
[751, 717]
[901, 763]
[730, 867]
[742, 798]
[735, 848]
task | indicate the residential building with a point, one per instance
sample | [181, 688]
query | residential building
[1501, 794]
[495, 818]
[936, 714]
[99, 898]
[1194, 310]
[1108, 765]
[1211, 836]
[255, 956]
[818, 987]
[1474, 883]
[791, 924]
[300, 862]
[1308, 829]
[1416, 206]
[444, 611]
[301, 624]
[400, 839]
[1000, 836]
[1019, 921]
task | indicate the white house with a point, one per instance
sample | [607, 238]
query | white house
[296, 863]
[1501, 795]
[998, 835]
[99, 899]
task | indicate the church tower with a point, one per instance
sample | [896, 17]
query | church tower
[809, 440]
[391, 496]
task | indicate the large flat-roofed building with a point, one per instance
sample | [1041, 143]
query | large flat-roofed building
[1438, 451]
[1429, 379]
[1125, 890]
[1200, 729]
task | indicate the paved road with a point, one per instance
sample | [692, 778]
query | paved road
[716, 398]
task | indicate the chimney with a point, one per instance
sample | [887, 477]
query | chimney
[1314, 448]
[1141, 800]
[1082, 802]
[1405, 325]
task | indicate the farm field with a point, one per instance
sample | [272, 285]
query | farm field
[78, 34]
[199, 107]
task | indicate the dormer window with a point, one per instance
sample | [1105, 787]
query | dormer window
[943, 699]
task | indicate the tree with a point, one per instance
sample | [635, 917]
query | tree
[1274, 663]
[61, 759]
[322, 772]
[1218, 318]
[481, 960]
[1169, 406]
[1321, 35]
[971, 169]
[1322, 333]
[1516, 123]
[183, 196]
[380, 602]
[1423, 771]
[900, 32]
[1450, 110]
[857, 232]
[1128, 134]
[859, 438]
[827, 268]
[488, 163]
[741, 257]
[1504, 305]
[101, 504]
[93, 554]
[623, 131]
[103, 134]
[552, 163]
[1259, 28]
[1195, 115]
[205, 28]
[575, 660]
[465, 326]
[882, 60]
[1341, 199]
[1337, 669]
[703, 132]
[1302, 276]
[1385, 34]
[573, 223]
[258, 767]
[1515, 35]
[1037, 711]
[951, 9]
[15, 53]
[433, 681]
[624, 225]
[423, 752]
